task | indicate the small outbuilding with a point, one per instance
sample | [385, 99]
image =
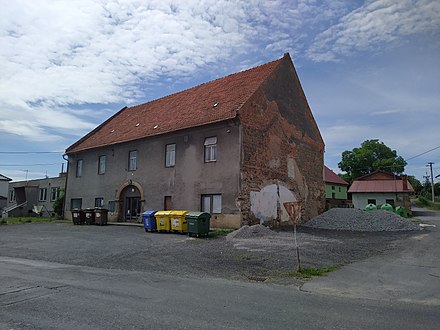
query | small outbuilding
[381, 187]
[335, 189]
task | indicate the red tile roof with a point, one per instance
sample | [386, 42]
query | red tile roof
[207, 103]
[380, 186]
[332, 177]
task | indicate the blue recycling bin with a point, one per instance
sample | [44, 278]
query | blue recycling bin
[149, 220]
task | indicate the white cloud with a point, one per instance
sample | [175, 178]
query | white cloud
[374, 25]
[62, 53]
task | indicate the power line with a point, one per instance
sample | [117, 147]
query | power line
[422, 153]
[31, 152]
[46, 164]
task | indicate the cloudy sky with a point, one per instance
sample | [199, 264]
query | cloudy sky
[370, 69]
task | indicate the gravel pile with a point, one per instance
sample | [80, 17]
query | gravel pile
[251, 232]
[359, 220]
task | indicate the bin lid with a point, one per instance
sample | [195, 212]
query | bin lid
[159, 213]
[178, 212]
[197, 214]
[149, 212]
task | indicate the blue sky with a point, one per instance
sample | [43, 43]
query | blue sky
[369, 69]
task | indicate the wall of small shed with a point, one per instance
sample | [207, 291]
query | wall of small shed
[360, 200]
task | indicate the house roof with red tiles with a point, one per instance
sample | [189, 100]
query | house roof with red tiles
[332, 177]
[381, 182]
[208, 103]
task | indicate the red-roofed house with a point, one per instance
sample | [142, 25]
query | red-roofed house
[335, 188]
[237, 147]
[381, 187]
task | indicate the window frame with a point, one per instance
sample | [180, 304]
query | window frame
[101, 200]
[132, 161]
[79, 167]
[55, 192]
[102, 164]
[76, 200]
[12, 197]
[170, 155]
[210, 149]
[213, 199]
[40, 199]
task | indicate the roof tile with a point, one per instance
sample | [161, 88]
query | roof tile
[189, 108]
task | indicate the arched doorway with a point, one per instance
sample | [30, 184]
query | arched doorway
[131, 203]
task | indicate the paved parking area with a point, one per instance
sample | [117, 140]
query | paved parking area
[131, 248]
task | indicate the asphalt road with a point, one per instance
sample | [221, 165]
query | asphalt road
[47, 283]
[45, 295]
[409, 274]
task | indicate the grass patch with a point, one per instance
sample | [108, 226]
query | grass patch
[18, 220]
[219, 232]
[310, 272]
[243, 258]
[423, 202]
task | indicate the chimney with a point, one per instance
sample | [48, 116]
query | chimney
[404, 182]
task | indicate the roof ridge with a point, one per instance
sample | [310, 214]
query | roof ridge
[207, 82]
[235, 89]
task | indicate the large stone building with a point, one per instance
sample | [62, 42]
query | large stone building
[238, 147]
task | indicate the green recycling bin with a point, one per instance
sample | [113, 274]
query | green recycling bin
[370, 207]
[198, 223]
[401, 211]
[387, 207]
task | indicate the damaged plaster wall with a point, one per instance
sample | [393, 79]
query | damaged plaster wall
[267, 204]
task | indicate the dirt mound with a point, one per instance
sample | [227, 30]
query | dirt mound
[359, 220]
[251, 232]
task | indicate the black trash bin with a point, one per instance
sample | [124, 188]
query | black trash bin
[90, 216]
[101, 216]
[78, 217]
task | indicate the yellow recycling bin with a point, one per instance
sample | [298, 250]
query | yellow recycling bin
[163, 221]
[178, 221]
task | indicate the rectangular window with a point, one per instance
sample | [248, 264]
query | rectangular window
[212, 203]
[54, 193]
[132, 160]
[170, 155]
[333, 187]
[99, 202]
[390, 201]
[210, 149]
[101, 164]
[79, 168]
[111, 206]
[372, 201]
[76, 203]
[12, 195]
[43, 194]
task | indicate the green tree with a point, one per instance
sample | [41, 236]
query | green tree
[416, 184]
[58, 204]
[372, 155]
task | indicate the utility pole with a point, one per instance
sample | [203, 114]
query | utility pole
[432, 181]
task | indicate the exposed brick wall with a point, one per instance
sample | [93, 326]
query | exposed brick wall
[281, 144]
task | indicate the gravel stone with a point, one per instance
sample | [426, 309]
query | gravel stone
[359, 220]
[251, 232]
